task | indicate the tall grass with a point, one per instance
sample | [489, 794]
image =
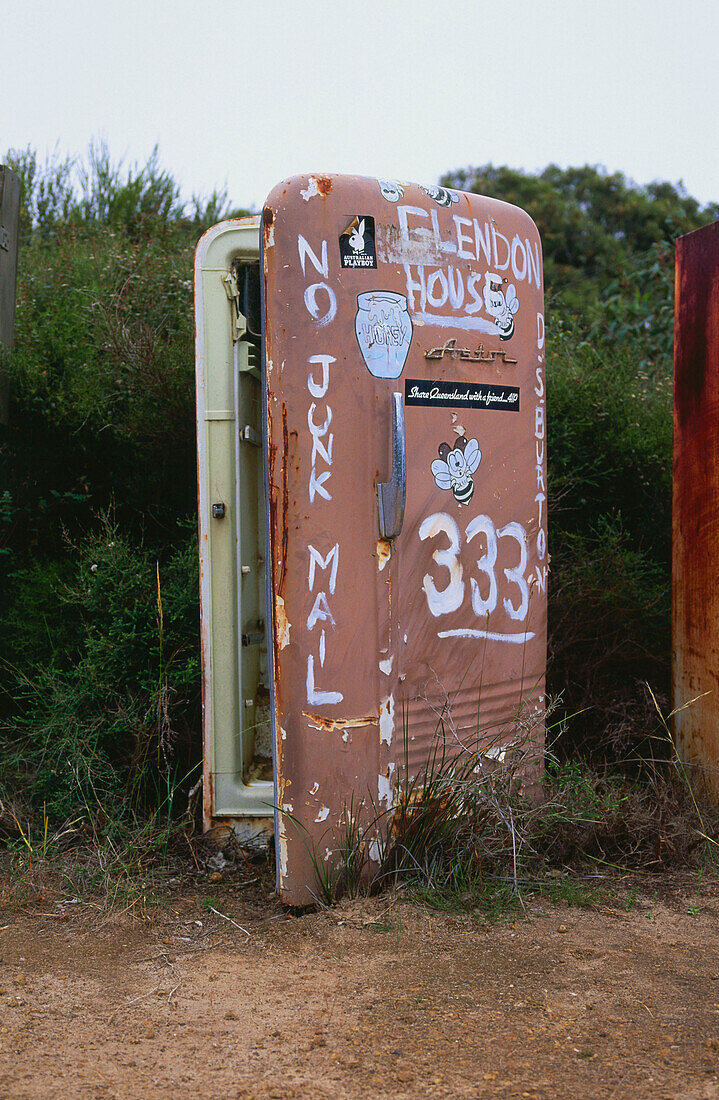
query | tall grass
[468, 829]
[94, 190]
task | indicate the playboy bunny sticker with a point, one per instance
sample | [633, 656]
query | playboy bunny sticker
[455, 466]
[357, 237]
[357, 243]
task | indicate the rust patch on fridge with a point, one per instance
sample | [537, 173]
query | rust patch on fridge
[329, 725]
[384, 553]
[285, 499]
[279, 499]
[695, 511]
[283, 625]
[316, 185]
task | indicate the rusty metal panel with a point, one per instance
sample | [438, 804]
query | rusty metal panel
[695, 594]
[404, 333]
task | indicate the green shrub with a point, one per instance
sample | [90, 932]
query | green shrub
[95, 191]
[102, 377]
[102, 374]
[591, 814]
[609, 448]
[104, 722]
[100, 697]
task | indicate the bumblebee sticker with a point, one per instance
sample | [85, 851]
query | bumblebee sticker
[455, 466]
[357, 243]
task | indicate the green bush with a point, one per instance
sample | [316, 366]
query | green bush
[102, 374]
[648, 822]
[610, 469]
[103, 720]
[100, 687]
[102, 377]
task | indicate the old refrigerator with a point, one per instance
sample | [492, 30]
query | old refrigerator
[381, 482]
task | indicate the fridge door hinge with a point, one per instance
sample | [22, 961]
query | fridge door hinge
[249, 435]
[232, 290]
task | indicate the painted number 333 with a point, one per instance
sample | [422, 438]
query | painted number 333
[442, 601]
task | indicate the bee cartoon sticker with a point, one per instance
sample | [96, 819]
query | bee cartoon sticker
[498, 305]
[455, 466]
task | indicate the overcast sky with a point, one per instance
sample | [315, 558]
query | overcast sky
[243, 93]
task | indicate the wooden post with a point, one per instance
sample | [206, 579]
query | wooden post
[9, 217]
[695, 593]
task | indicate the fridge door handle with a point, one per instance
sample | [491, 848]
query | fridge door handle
[391, 494]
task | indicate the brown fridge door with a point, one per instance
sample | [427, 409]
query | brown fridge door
[404, 374]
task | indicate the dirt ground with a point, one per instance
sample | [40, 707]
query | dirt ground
[375, 998]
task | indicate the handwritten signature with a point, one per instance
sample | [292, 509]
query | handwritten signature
[450, 349]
